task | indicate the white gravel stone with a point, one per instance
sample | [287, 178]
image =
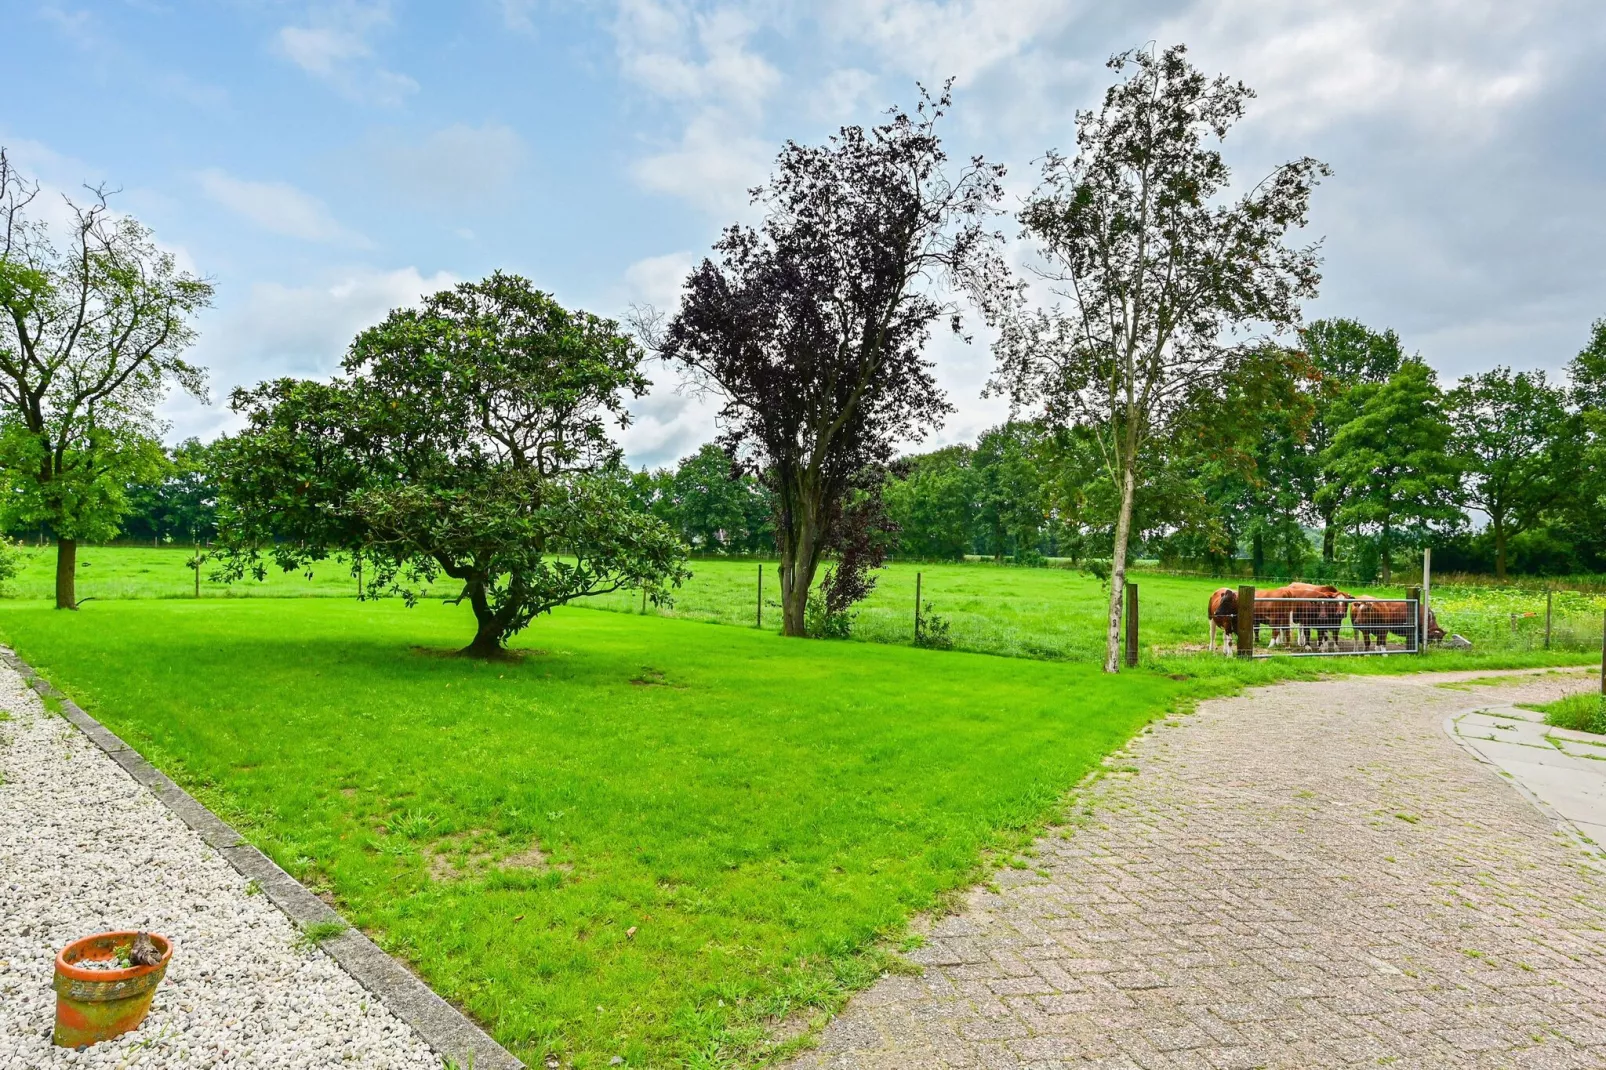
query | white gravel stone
[85, 849]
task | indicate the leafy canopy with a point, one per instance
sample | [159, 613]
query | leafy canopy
[467, 438]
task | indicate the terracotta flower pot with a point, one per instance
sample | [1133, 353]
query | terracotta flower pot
[95, 1005]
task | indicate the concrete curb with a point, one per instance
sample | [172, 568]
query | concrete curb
[443, 1027]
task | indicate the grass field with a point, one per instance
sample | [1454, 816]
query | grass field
[646, 837]
[1022, 612]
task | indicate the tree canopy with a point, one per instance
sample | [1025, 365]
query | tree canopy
[92, 340]
[466, 438]
[1156, 267]
[811, 330]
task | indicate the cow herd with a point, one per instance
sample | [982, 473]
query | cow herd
[1311, 617]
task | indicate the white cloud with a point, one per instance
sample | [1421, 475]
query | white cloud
[713, 167]
[935, 39]
[280, 329]
[1448, 67]
[333, 47]
[516, 15]
[700, 62]
[658, 280]
[842, 95]
[459, 166]
[277, 207]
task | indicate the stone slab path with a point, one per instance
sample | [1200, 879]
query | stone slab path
[1564, 771]
[1309, 875]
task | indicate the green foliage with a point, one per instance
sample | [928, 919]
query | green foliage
[933, 500]
[314, 934]
[11, 561]
[1392, 475]
[935, 632]
[1507, 430]
[713, 507]
[467, 438]
[179, 503]
[92, 335]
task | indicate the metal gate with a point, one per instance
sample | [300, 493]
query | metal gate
[1313, 627]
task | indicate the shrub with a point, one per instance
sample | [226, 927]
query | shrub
[822, 622]
[10, 563]
[934, 632]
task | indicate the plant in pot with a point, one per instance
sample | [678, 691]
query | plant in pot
[104, 984]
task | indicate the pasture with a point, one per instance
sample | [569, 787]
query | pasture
[1053, 613]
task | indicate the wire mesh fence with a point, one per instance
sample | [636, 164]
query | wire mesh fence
[1296, 626]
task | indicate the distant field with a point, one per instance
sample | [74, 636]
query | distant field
[1053, 613]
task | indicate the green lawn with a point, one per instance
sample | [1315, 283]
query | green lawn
[762, 812]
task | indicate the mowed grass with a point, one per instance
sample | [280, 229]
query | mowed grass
[730, 825]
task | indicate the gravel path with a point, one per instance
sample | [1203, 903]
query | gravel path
[83, 849]
[1310, 875]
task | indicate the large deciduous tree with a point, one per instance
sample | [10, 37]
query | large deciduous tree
[1506, 432]
[1392, 473]
[467, 437]
[811, 329]
[1157, 267]
[92, 337]
[1346, 354]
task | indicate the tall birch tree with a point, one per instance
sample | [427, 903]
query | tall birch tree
[1156, 270]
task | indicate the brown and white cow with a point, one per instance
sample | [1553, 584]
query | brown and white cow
[1376, 619]
[1224, 615]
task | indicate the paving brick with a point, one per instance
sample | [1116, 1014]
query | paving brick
[1250, 899]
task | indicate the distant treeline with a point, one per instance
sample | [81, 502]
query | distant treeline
[1339, 460]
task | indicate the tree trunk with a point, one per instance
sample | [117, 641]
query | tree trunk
[1499, 549]
[798, 540]
[1329, 539]
[1123, 531]
[1388, 570]
[1257, 553]
[488, 629]
[66, 573]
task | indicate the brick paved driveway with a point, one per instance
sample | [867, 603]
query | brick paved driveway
[1306, 876]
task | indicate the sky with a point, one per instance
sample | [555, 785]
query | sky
[325, 162]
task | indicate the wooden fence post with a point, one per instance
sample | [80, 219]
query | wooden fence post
[1131, 625]
[1603, 655]
[917, 607]
[1549, 597]
[1246, 622]
[760, 618]
[1417, 645]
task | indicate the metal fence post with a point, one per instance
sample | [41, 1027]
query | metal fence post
[1131, 625]
[1246, 622]
[1414, 595]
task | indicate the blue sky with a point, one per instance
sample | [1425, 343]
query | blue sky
[326, 161]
